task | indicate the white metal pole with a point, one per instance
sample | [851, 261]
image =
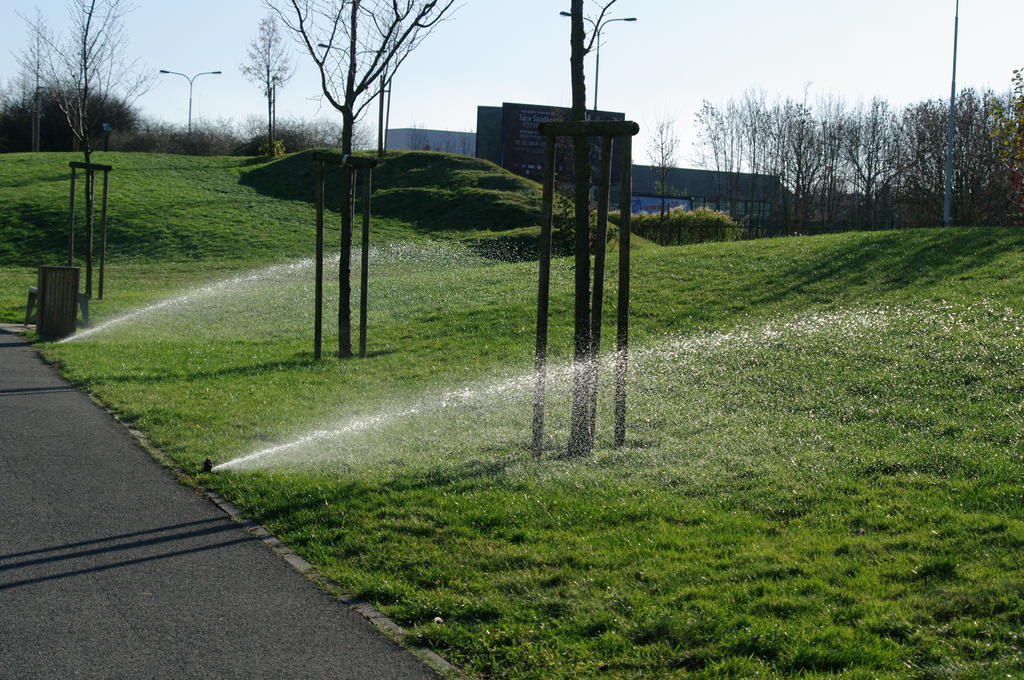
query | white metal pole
[947, 200]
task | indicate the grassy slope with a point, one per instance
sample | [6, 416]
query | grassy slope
[172, 207]
[230, 210]
[161, 208]
[807, 506]
[819, 492]
[432, 192]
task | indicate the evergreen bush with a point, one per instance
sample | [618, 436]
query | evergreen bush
[681, 226]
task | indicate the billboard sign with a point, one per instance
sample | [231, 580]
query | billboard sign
[523, 145]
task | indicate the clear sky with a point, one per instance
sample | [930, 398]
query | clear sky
[678, 53]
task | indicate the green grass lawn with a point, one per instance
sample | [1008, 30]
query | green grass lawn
[180, 208]
[822, 476]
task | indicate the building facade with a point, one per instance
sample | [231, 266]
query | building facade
[743, 195]
[508, 136]
[422, 139]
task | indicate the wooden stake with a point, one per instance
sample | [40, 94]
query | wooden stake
[597, 299]
[622, 329]
[90, 186]
[364, 274]
[71, 221]
[540, 357]
[318, 305]
[103, 232]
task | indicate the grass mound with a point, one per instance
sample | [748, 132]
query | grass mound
[431, 191]
[821, 478]
[170, 207]
[162, 207]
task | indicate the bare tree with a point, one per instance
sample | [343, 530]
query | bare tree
[419, 139]
[87, 67]
[859, 167]
[269, 67]
[803, 147]
[873, 154]
[461, 142]
[982, 187]
[31, 80]
[661, 151]
[356, 45]
[832, 179]
[720, 147]
[755, 125]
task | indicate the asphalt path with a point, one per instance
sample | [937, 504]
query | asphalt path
[110, 568]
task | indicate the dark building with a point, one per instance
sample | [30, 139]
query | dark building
[740, 194]
[508, 136]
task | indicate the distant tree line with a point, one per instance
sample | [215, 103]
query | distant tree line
[848, 166]
[76, 91]
[130, 131]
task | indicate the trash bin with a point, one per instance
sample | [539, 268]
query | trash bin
[58, 301]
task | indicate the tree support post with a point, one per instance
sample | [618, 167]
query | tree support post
[350, 164]
[103, 233]
[597, 300]
[584, 410]
[318, 293]
[364, 269]
[90, 187]
[71, 220]
[622, 327]
[540, 357]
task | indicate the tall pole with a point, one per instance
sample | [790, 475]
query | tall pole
[190, 106]
[598, 27]
[380, 117]
[387, 116]
[947, 200]
[190, 80]
[597, 67]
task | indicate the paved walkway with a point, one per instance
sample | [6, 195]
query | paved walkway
[109, 568]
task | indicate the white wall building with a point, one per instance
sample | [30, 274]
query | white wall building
[421, 139]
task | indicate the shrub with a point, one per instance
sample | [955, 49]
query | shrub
[274, 149]
[685, 226]
[207, 138]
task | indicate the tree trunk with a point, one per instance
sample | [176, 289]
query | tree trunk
[581, 436]
[270, 120]
[345, 258]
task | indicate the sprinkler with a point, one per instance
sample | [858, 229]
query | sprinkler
[207, 465]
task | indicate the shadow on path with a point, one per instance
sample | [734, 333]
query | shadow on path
[114, 544]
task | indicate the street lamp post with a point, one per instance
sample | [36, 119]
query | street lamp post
[190, 81]
[597, 38]
[947, 195]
